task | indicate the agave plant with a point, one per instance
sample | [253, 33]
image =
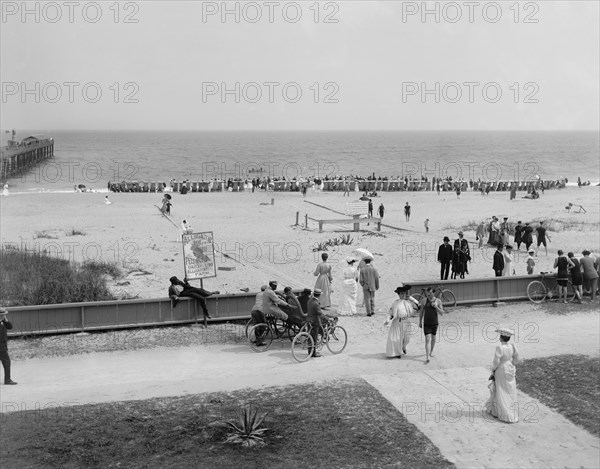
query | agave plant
[246, 429]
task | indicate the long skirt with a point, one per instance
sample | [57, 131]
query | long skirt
[398, 337]
[349, 293]
[503, 394]
[325, 285]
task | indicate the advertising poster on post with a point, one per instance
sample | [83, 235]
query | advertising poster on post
[199, 255]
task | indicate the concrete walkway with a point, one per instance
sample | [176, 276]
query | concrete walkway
[446, 405]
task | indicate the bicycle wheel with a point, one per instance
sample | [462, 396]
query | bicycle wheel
[293, 330]
[336, 340]
[279, 327]
[418, 297]
[302, 347]
[251, 322]
[260, 337]
[536, 291]
[448, 300]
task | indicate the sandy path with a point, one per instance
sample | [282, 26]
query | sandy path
[465, 339]
[447, 406]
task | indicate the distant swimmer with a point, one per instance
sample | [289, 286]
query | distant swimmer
[106, 201]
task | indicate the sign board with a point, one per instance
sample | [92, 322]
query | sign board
[199, 255]
[357, 208]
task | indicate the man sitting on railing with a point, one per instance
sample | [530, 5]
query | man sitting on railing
[180, 289]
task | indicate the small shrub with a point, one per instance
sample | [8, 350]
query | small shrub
[246, 429]
[44, 234]
[103, 267]
[74, 232]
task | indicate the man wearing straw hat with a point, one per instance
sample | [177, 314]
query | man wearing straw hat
[4, 358]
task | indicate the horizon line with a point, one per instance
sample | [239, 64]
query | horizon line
[298, 130]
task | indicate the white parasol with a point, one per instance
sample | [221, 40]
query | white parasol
[363, 253]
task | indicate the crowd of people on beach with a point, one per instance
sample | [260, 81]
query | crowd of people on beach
[340, 183]
[582, 272]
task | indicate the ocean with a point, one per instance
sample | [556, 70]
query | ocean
[94, 158]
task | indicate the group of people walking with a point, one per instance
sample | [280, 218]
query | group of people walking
[502, 403]
[364, 275]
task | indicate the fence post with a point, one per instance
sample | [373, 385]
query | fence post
[356, 225]
[297, 217]
[320, 226]
[306, 220]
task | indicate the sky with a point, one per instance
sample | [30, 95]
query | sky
[307, 65]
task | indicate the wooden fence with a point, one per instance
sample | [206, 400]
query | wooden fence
[105, 315]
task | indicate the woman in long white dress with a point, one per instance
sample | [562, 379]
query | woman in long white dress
[323, 272]
[508, 262]
[502, 403]
[349, 289]
[400, 328]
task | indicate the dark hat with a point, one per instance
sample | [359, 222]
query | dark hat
[317, 291]
[506, 218]
[446, 238]
[173, 279]
[307, 290]
[272, 282]
[402, 288]
[460, 233]
[509, 246]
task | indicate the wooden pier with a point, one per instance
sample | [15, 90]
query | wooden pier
[19, 157]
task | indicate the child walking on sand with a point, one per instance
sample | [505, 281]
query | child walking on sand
[426, 225]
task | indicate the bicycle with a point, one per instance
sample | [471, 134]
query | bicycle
[260, 336]
[446, 296]
[334, 337]
[540, 290]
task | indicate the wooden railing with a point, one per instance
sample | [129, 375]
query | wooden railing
[105, 315]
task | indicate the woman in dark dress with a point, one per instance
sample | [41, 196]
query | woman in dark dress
[576, 277]
[457, 265]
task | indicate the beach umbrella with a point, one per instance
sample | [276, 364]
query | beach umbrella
[363, 253]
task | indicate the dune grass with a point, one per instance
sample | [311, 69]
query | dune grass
[37, 278]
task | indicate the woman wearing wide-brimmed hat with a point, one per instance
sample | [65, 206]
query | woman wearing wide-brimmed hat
[400, 329]
[349, 288]
[502, 403]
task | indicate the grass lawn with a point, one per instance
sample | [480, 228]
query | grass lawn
[566, 383]
[341, 424]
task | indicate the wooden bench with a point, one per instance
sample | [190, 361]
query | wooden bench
[356, 221]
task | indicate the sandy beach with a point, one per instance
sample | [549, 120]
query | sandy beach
[260, 242]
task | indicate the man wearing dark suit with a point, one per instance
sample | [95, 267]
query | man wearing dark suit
[444, 258]
[498, 261]
[314, 318]
[369, 280]
[183, 289]
[4, 358]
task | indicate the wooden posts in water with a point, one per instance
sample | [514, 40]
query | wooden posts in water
[19, 159]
